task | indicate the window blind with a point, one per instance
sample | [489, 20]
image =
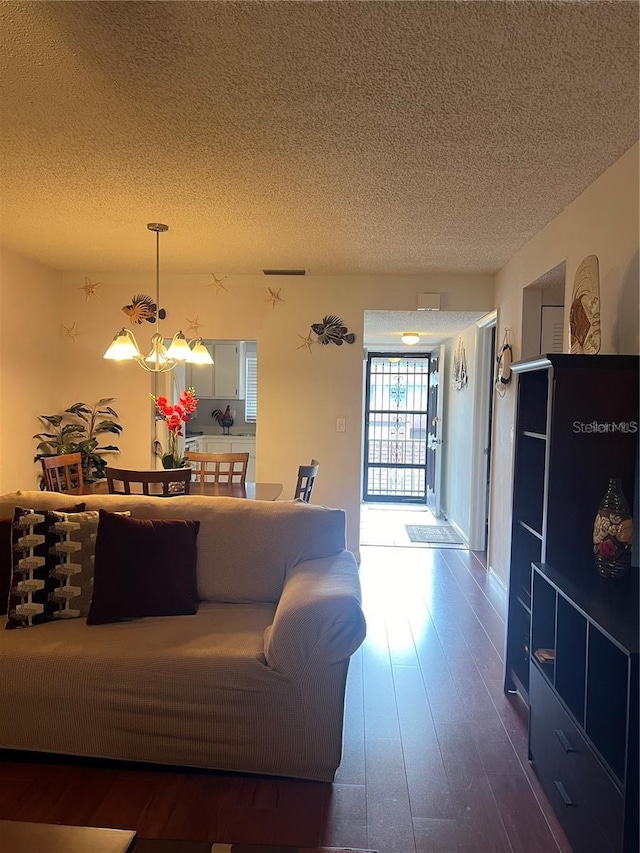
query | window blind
[251, 388]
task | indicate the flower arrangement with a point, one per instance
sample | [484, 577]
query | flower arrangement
[174, 417]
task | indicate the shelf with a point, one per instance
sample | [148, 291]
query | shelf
[533, 532]
[592, 672]
[582, 680]
[526, 548]
[611, 604]
[529, 486]
[607, 701]
[571, 665]
[533, 392]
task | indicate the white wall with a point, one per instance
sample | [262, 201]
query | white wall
[30, 339]
[458, 448]
[603, 221]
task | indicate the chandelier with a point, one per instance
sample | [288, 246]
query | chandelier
[124, 346]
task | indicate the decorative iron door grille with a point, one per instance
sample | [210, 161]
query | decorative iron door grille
[395, 440]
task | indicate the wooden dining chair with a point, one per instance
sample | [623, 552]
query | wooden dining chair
[63, 473]
[162, 483]
[306, 478]
[217, 468]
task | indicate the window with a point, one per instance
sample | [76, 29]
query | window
[251, 387]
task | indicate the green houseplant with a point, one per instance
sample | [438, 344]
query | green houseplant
[76, 430]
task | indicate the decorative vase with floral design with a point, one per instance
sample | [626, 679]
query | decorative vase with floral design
[613, 533]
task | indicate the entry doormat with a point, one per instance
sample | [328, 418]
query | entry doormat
[143, 845]
[435, 534]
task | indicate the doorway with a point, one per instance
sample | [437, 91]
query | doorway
[483, 428]
[396, 428]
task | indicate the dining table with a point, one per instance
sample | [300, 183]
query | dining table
[251, 491]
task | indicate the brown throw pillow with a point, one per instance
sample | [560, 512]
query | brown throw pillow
[143, 567]
[34, 594]
[5, 563]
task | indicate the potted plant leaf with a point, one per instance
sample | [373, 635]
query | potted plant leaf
[76, 430]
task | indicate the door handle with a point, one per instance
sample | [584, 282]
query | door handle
[566, 799]
[564, 740]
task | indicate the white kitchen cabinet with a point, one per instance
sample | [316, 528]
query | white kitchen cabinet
[226, 371]
[220, 380]
[200, 376]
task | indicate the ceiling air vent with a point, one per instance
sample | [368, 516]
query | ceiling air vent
[293, 271]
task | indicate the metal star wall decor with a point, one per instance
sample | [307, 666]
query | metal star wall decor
[71, 331]
[90, 288]
[194, 325]
[307, 341]
[274, 296]
[218, 283]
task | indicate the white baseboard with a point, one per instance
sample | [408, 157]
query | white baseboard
[459, 531]
[497, 578]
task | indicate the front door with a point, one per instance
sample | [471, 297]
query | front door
[395, 441]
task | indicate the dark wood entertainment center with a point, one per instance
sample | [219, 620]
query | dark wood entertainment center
[572, 635]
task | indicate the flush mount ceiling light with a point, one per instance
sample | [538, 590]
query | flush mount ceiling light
[410, 338]
[124, 346]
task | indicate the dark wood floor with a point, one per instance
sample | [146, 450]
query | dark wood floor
[435, 757]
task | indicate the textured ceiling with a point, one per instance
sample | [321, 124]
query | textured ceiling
[385, 328]
[341, 137]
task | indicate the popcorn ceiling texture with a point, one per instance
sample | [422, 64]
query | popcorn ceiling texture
[385, 328]
[342, 137]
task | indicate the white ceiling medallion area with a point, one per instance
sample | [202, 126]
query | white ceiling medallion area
[384, 329]
[343, 138]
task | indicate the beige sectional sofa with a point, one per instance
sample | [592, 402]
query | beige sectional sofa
[253, 682]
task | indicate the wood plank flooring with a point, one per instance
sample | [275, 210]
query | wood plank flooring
[435, 755]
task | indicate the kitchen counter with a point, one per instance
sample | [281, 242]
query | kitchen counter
[215, 442]
[217, 434]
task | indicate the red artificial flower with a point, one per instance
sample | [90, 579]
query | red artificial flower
[174, 416]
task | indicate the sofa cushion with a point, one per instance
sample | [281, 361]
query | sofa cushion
[5, 562]
[39, 590]
[77, 549]
[235, 535]
[40, 501]
[143, 567]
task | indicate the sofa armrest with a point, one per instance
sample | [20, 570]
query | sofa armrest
[318, 621]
